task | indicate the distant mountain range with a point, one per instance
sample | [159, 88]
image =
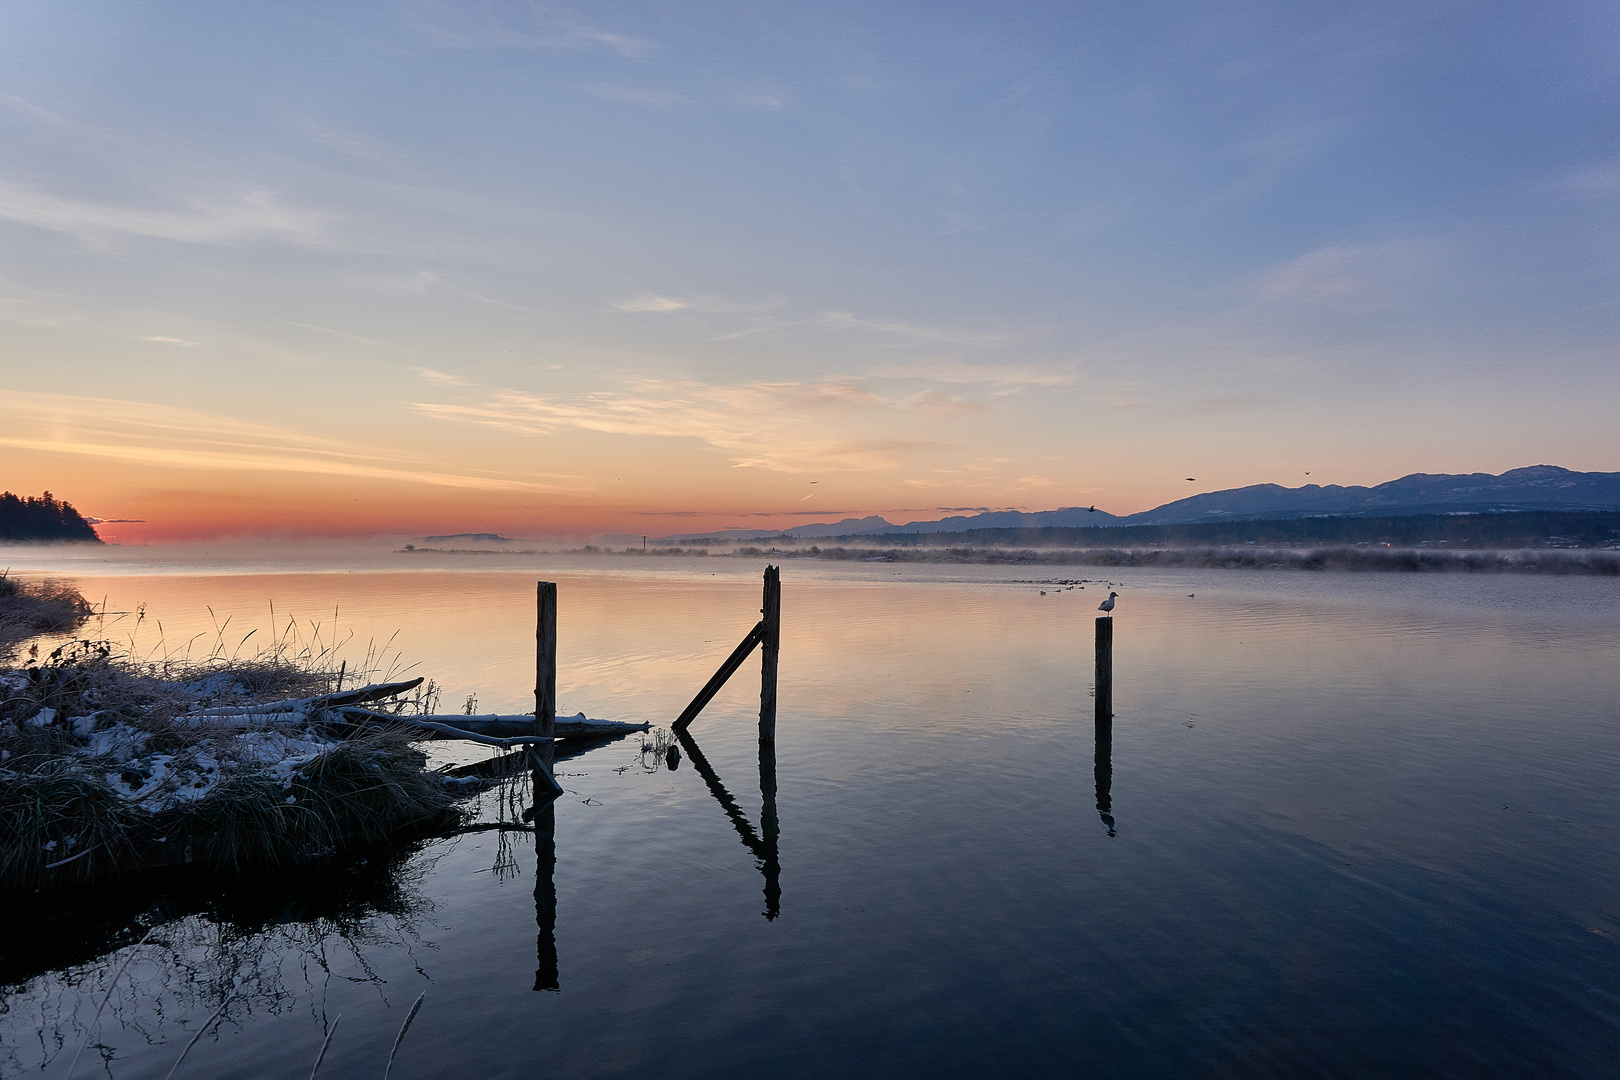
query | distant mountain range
[1538, 487]
[482, 538]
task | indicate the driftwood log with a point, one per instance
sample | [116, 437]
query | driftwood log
[291, 711]
[432, 723]
[508, 725]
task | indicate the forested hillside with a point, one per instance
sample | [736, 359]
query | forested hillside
[42, 518]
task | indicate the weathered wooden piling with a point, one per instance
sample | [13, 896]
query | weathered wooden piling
[545, 658]
[543, 757]
[1104, 680]
[770, 642]
[767, 632]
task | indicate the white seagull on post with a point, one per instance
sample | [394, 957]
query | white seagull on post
[1108, 604]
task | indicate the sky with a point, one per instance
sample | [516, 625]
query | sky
[313, 269]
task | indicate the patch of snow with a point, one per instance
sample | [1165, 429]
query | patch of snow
[121, 742]
[163, 780]
[43, 718]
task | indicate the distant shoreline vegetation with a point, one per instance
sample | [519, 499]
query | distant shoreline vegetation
[1578, 543]
[46, 518]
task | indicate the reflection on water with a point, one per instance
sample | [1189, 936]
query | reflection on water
[765, 843]
[546, 975]
[1103, 769]
[946, 916]
[247, 947]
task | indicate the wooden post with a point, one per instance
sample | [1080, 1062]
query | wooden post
[770, 642]
[1105, 667]
[545, 659]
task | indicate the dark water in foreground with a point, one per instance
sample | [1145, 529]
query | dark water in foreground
[1361, 826]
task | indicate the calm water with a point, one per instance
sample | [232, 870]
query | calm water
[1353, 826]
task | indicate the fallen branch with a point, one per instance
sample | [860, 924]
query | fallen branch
[444, 729]
[521, 723]
[373, 692]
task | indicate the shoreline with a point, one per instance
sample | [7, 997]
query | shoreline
[1585, 562]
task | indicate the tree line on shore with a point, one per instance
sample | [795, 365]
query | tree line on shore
[42, 518]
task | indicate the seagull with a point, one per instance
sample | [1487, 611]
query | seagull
[1192, 479]
[1091, 509]
[1108, 604]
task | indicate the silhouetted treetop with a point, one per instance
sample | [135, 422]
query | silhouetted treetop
[42, 518]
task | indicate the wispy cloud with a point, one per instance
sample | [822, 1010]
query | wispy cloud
[440, 377]
[1230, 405]
[845, 321]
[939, 403]
[623, 44]
[466, 26]
[785, 427]
[650, 303]
[345, 335]
[170, 340]
[255, 215]
[353, 145]
[635, 95]
[1005, 376]
[149, 434]
[1592, 181]
[1364, 276]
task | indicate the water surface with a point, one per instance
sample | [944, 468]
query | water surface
[1344, 826]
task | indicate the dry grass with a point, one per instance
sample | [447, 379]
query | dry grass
[101, 763]
[361, 791]
[29, 608]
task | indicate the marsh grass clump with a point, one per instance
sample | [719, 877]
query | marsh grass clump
[356, 793]
[53, 815]
[110, 762]
[29, 608]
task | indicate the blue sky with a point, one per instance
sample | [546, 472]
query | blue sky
[538, 267]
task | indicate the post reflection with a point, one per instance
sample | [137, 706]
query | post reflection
[546, 976]
[765, 848]
[1104, 769]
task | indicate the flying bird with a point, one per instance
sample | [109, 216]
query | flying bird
[1108, 604]
[1091, 509]
[1192, 479]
